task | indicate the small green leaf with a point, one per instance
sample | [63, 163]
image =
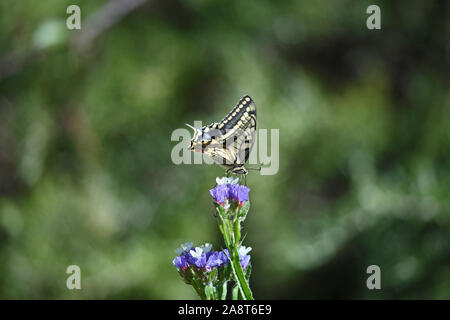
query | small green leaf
[244, 210]
[248, 271]
[224, 291]
[209, 291]
[235, 292]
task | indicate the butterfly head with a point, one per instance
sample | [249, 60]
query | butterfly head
[200, 139]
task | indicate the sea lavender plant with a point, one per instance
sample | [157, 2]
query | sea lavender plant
[209, 272]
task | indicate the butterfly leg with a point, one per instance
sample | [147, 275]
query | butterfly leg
[257, 167]
[242, 178]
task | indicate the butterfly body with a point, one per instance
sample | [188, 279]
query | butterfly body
[230, 141]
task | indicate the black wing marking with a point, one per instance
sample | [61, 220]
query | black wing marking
[243, 110]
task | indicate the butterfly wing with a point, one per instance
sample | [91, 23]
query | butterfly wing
[234, 136]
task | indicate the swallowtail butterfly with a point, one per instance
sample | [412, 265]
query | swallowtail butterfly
[230, 141]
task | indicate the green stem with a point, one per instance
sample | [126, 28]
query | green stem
[237, 231]
[231, 231]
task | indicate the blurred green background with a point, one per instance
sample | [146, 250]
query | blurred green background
[86, 116]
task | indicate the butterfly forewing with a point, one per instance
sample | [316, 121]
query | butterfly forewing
[238, 129]
[232, 138]
[242, 116]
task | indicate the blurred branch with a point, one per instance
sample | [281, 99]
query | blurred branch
[96, 24]
[102, 20]
[10, 64]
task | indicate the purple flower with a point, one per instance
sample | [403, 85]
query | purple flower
[197, 257]
[229, 190]
[244, 257]
[211, 262]
[181, 262]
[220, 193]
[244, 261]
[239, 193]
[222, 255]
[216, 259]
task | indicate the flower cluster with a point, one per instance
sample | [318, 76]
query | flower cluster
[203, 259]
[200, 257]
[227, 190]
